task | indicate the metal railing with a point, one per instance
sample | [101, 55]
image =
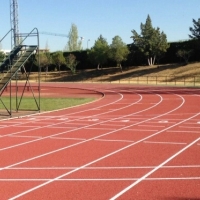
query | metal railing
[193, 81]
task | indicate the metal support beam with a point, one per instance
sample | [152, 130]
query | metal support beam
[14, 21]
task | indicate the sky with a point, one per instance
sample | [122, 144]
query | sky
[98, 17]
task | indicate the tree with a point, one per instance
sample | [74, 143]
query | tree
[58, 59]
[45, 60]
[185, 54]
[99, 52]
[196, 30]
[118, 51]
[2, 56]
[151, 42]
[71, 62]
[73, 43]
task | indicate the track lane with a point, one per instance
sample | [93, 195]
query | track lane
[122, 122]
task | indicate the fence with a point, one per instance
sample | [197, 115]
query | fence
[140, 80]
[145, 80]
[151, 80]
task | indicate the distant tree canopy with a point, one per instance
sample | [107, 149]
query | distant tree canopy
[73, 43]
[2, 56]
[71, 63]
[151, 42]
[118, 50]
[195, 30]
[58, 59]
[99, 52]
[45, 60]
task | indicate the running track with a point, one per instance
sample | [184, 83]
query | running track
[138, 143]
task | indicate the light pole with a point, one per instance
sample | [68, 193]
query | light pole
[87, 43]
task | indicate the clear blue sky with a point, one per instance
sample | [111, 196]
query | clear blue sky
[95, 17]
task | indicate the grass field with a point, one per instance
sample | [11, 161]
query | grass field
[46, 104]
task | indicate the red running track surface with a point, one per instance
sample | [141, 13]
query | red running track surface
[132, 142]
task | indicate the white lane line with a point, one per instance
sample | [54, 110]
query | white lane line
[125, 120]
[23, 136]
[98, 179]
[118, 125]
[155, 169]
[23, 126]
[63, 127]
[163, 121]
[156, 126]
[78, 128]
[153, 142]
[190, 127]
[106, 129]
[73, 123]
[140, 130]
[53, 117]
[104, 140]
[62, 119]
[101, 158]
[29, 118]
[105, 168]
[3, 126]
[66, 138]
[183, 131]
[93, 120]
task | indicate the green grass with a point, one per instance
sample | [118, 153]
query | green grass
[46, 104]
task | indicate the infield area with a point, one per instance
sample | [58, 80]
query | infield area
[132, 142]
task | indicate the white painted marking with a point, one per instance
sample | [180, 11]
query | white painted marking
[105, 140]
[155, 169]
[143, 130]
[93, 120]
[23, 126]
[125, 120]
[24, 136]
[164, 142]
[115, 125]
[189, 127]
[78, 168]
[106, 129]
[98, 179]
[163, 121]
[63, 127]
[64, 138]
[183, 131]
[31, 118]
[152, 126]
[62, 119]
[104, 168]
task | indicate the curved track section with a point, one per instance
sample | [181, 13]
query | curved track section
[133, 143]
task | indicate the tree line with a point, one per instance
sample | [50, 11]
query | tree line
[150, 43]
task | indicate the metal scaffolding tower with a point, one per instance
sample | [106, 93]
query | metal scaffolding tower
[14, 22]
